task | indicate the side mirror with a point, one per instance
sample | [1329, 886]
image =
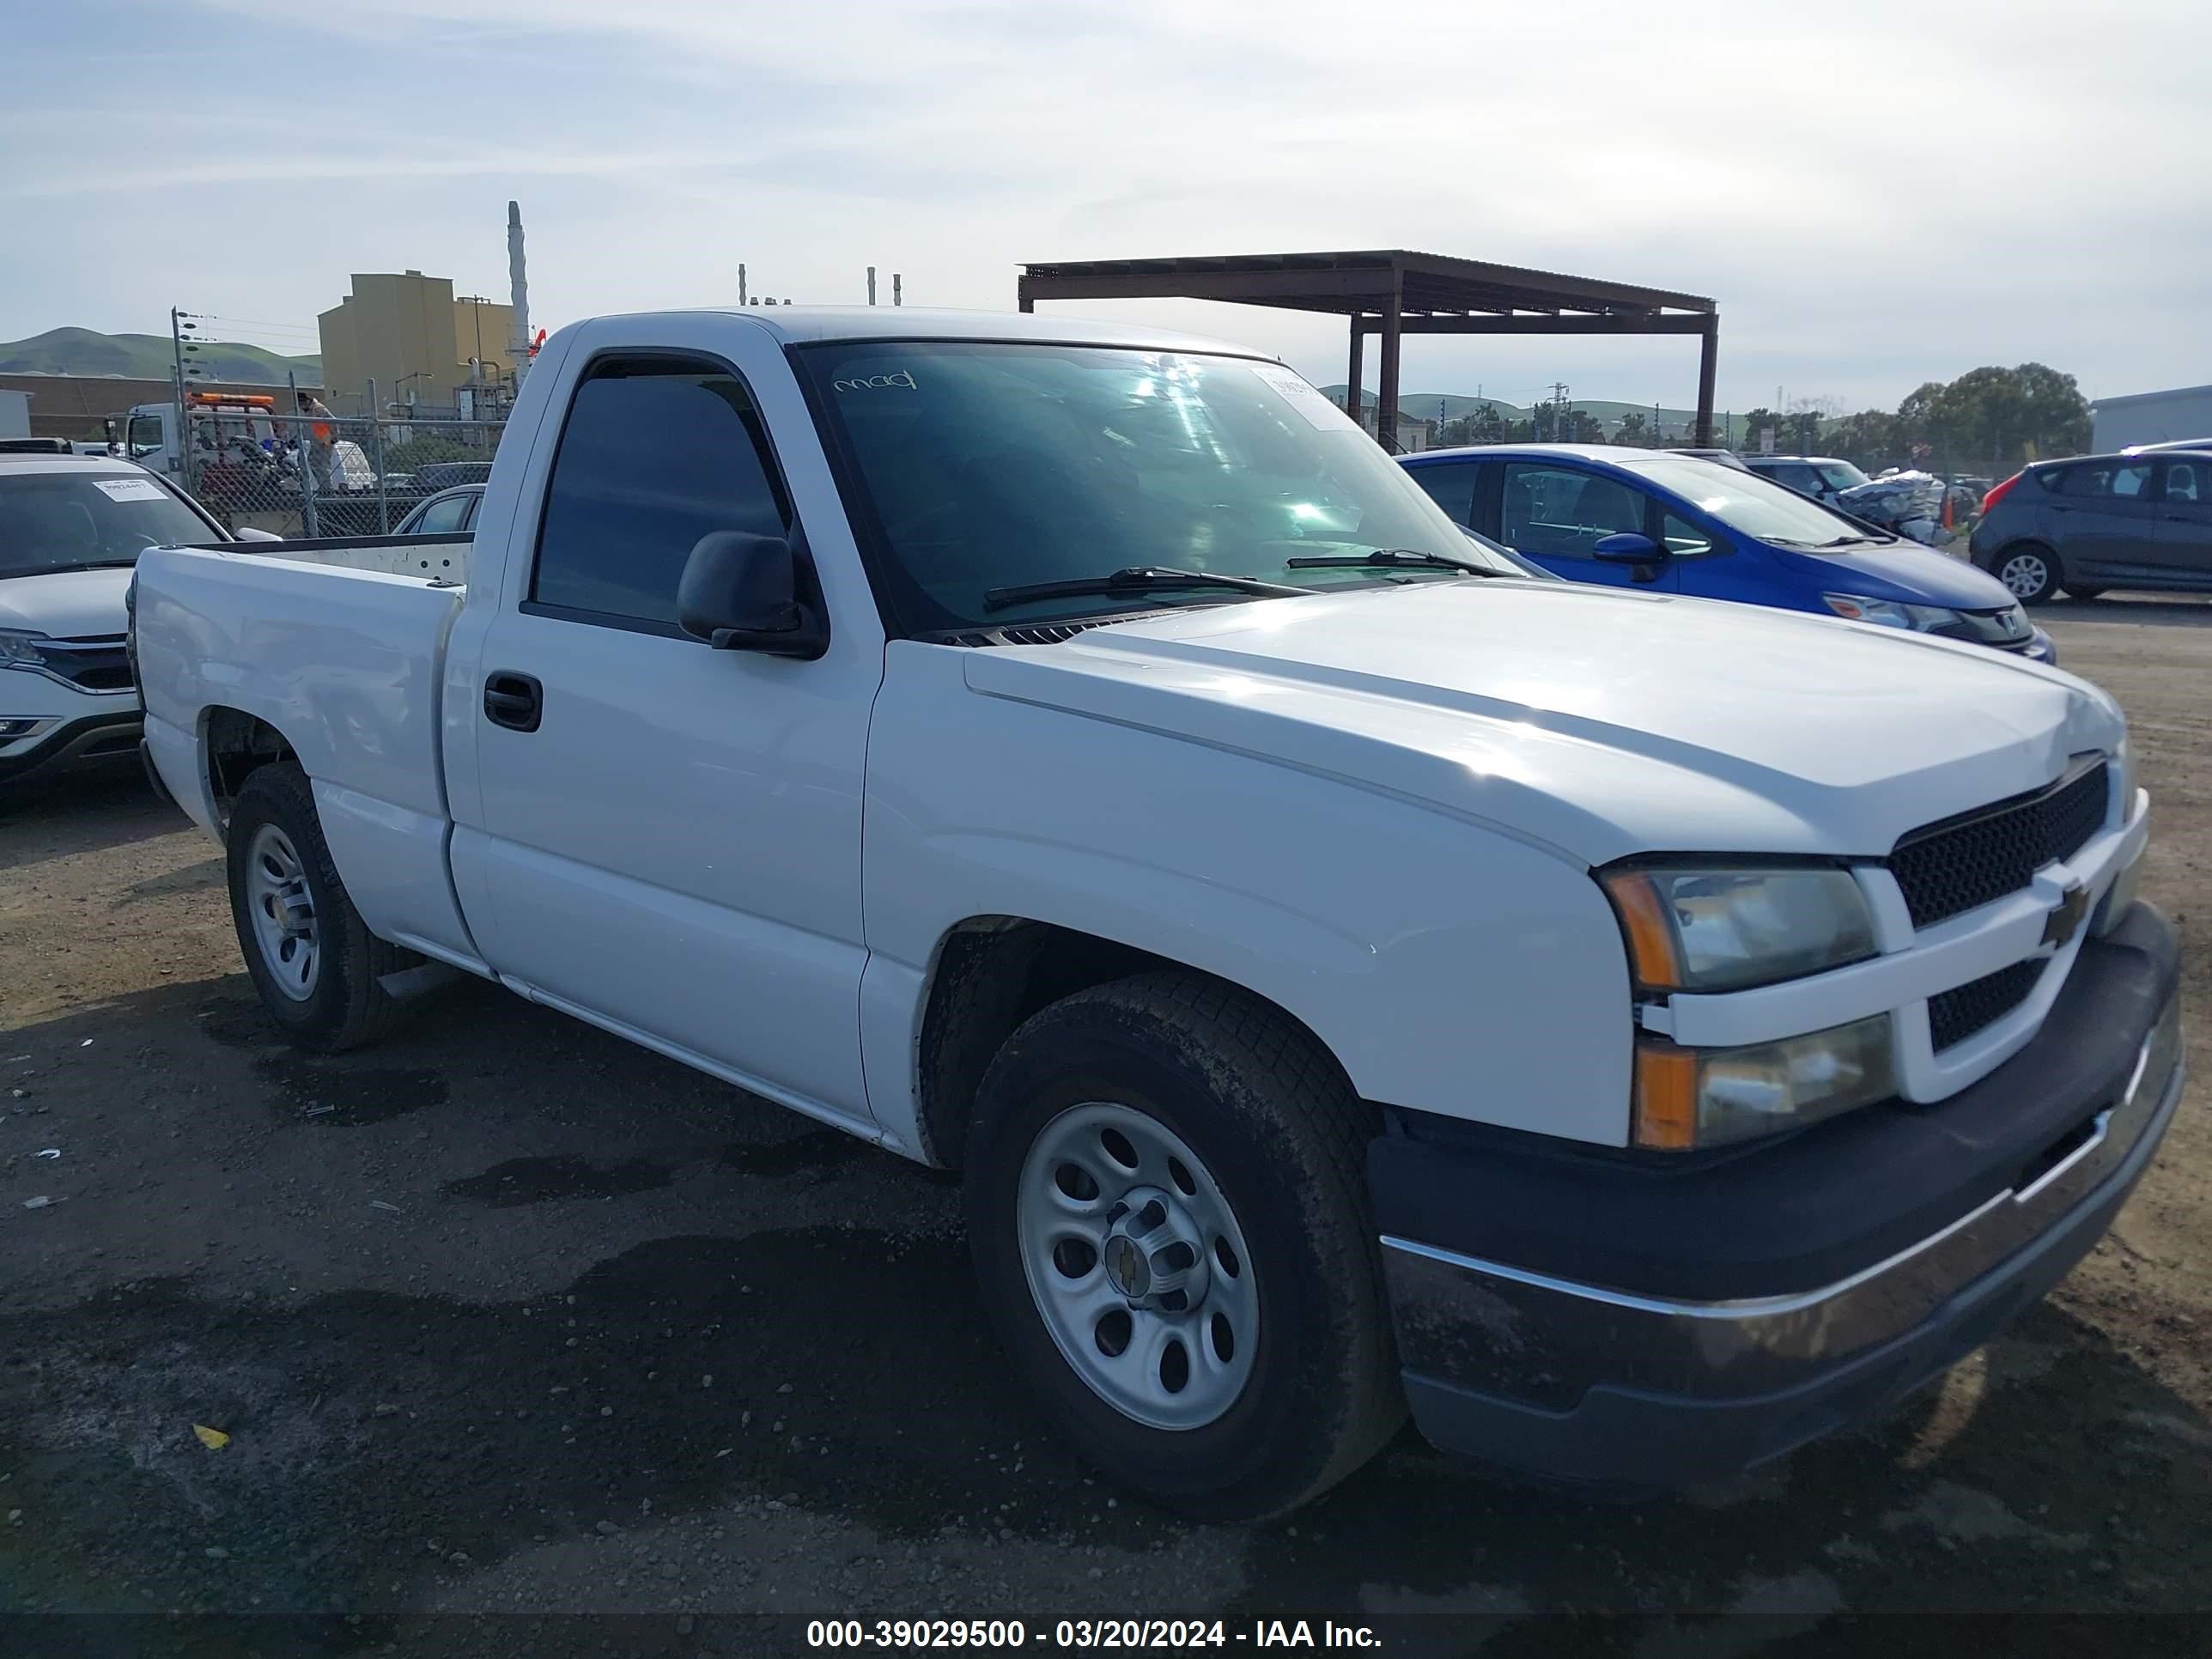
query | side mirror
[1631, 547]
[254, 533]
[744, 592]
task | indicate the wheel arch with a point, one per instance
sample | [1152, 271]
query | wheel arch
[988, 975]
[234, 744]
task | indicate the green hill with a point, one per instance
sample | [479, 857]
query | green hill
[147, 357]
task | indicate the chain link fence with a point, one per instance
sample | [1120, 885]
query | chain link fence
[317, 474]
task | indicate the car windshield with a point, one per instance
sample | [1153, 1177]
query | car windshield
[1840, 475]
[990, 466]
[68, 520]
[1744, 501]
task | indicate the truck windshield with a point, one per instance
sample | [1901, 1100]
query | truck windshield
[1758, 506]
[69, 520]
[996, 465]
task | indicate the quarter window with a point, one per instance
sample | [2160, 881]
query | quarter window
[1450, 485]
[2188, 481]
[655, 454]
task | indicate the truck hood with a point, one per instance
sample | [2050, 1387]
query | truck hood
[1597, 723]
[66, 604]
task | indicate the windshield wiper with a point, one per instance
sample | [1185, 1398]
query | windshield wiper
[73, 564]
[1136, 579]
[1388, 558]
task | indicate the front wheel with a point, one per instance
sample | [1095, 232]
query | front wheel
[315, 963]
[1167, 1211]
[2029, 572]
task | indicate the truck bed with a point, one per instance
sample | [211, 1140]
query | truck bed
[345, 657]
[437, 558]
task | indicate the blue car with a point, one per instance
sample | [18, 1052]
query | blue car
[1595, 513]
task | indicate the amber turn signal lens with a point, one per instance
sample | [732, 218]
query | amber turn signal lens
[1666, 1097]
[1651, 939]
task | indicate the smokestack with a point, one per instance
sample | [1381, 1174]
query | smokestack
[519, 292]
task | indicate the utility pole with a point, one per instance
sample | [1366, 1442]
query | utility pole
[895, 288]
[741, 284]
[176, 355]
[871, 285]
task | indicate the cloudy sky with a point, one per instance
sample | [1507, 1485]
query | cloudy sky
[1877, 193]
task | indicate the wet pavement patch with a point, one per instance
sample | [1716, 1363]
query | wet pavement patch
[818, 1150]
[839, 1369]
[238, 1025]
[535, 1180]
[339, 1096]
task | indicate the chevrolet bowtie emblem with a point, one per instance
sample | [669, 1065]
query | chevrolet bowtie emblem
[2065, 921]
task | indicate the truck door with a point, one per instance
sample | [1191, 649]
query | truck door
[671, 833]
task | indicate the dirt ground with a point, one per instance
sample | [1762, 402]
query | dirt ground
[510, 1318]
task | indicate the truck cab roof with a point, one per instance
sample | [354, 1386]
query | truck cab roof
[815, 325]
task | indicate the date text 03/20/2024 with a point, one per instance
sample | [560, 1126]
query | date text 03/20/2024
[1083, 1633]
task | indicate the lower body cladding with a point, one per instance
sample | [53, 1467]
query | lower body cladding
[1608, 1322]
[59, 743]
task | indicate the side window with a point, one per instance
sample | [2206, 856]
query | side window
[443, 518]
[1450, 485]
[1561, 512]
[145, 436]
[2125, 479]
[2189, 481]
[655, 454]
[1682, 538]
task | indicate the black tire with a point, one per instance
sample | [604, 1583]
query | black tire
[2075, 590]
[347, 1007]
[1271, 1114]
[2020, 558]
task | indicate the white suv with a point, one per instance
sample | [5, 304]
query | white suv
[71, 529]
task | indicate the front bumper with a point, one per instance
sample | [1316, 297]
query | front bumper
[2039, 649]
[1627, 1378]
[87, 739]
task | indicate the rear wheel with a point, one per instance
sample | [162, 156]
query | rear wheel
[2029, 571]
[314, 963]
[1167, 1213]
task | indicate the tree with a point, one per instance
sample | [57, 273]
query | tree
[1582, 427]
[1630, 431]
[1996, 417]
[1869, 439]
[1754, 423]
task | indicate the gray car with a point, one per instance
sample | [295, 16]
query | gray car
[2133, 520]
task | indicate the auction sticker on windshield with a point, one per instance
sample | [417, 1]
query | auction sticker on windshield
[129, 490]
[1320, 413]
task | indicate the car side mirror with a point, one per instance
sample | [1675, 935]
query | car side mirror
[746, 593]
[1632, 547]
[255, 533]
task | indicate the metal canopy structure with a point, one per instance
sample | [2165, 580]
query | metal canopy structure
[1394, 291]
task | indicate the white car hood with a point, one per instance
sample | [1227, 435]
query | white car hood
[1599, 723]
[66, 604]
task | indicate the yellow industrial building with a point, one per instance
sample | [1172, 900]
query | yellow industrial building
[409, 333]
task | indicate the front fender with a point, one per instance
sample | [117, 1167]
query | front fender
[1448, 968]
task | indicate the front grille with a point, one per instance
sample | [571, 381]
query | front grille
[1956, 1015]
[1950, 867]
[90, 665]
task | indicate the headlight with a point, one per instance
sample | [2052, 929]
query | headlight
[2123, 781]
[1893, 613]
[1707, 929]
[19, 650]
[1694, 1097]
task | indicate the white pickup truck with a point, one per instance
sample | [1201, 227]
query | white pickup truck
[1639, 1035]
